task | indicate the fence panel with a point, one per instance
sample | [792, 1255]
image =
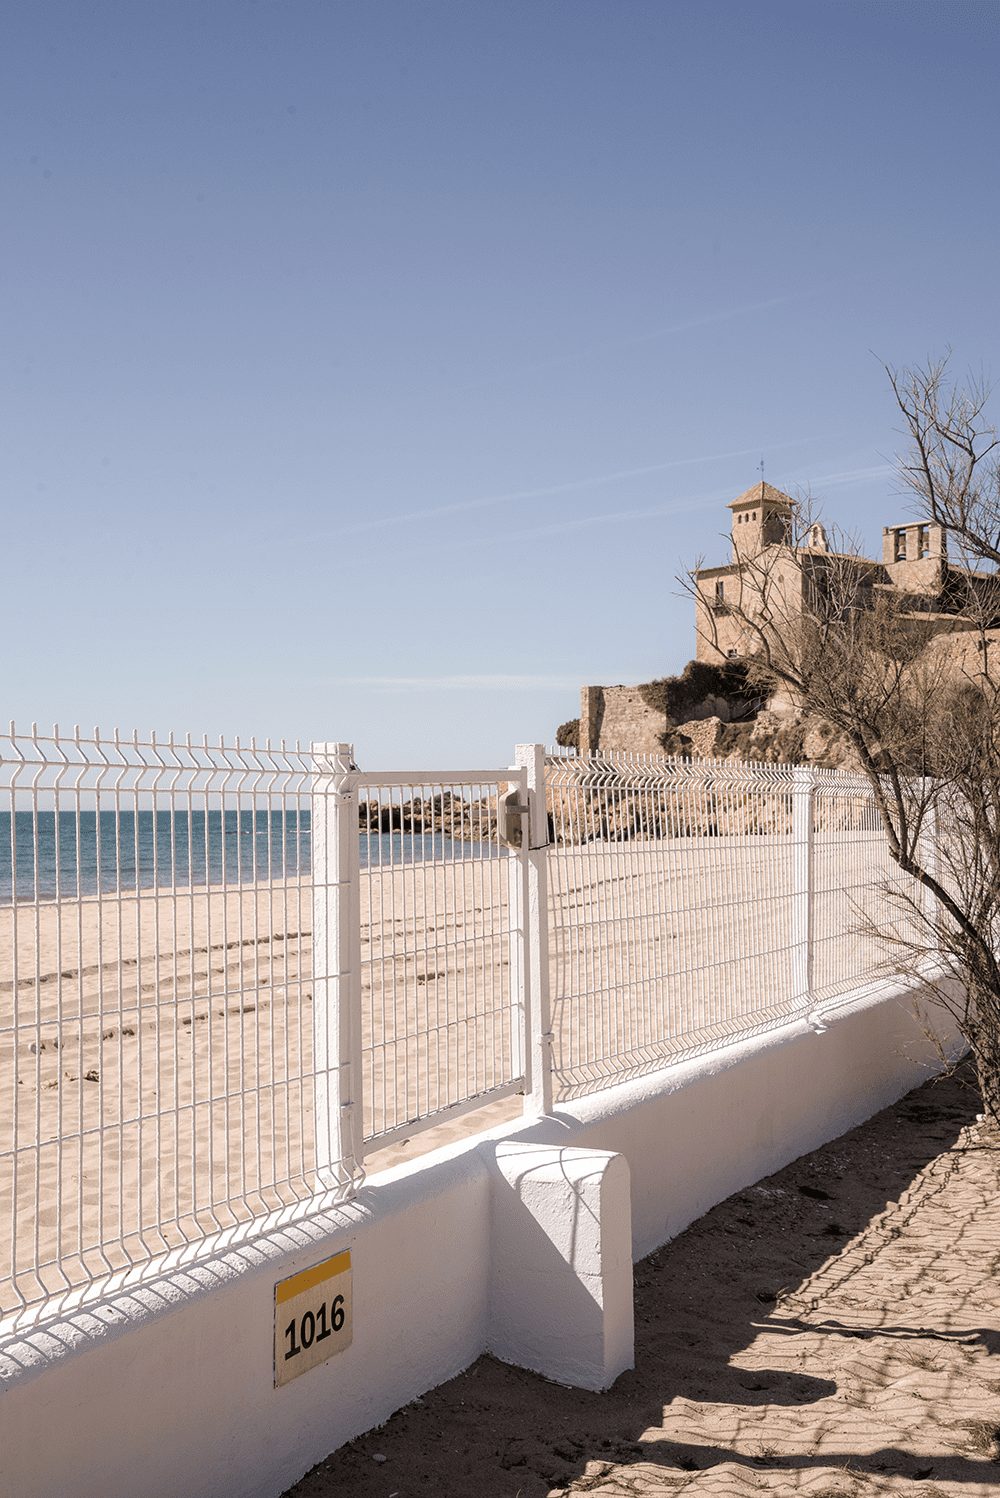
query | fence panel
[442, 941]
[694, 902]
[852, 878]
[663, 939]
[155, 991]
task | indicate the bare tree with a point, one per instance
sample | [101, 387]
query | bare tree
[952, 466]
[913, 682]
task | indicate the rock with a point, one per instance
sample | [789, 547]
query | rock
[766, 724]
[817, 740]
[704, 734]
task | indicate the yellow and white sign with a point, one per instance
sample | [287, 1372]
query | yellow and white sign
[312, 1317]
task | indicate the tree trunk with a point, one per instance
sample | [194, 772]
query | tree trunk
[984, 1036]
[988, 1069]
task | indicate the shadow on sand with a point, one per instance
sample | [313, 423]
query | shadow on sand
[765, 1350]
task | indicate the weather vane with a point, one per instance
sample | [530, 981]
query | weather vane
[761, 466]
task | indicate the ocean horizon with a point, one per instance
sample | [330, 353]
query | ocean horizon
[87, 853]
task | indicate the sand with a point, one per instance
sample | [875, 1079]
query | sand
[168, 1039]
[832, 1330]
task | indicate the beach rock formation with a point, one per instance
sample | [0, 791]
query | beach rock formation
[449, 815]
[770, 738]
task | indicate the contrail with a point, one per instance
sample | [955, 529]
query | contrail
[689, 502]
[681, 327]
[713, 317]
[657, 512]
[574, 484]
[856, 475]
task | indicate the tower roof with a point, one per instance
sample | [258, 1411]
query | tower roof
[761, 494]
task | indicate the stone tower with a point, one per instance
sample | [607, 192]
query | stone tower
[761, 517]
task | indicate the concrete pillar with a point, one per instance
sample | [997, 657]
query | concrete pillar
[561, 1273]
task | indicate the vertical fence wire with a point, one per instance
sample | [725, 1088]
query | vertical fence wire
[676, 912]
[439, 1011]
[155, 1027]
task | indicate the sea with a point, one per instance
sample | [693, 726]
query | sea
[72, 855]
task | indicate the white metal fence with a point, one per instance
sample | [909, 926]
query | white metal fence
[226, 973]
[420, 932]
[693, 902]
[155, 1030]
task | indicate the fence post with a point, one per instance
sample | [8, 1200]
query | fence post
[803, 794]
[336, 943]
[531, 757]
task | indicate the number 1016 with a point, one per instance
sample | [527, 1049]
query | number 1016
[301, 1332]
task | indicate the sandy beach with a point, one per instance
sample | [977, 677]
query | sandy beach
[833, 1330]
[168, 1038]
[168, 1041]
[159, 1038]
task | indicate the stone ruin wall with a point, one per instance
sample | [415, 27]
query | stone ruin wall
[616, 720]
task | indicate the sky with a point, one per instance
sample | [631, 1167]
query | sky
[372, 369]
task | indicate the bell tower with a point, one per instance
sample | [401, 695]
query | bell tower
[761, 517]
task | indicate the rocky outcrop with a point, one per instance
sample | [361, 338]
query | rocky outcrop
[770, 738]
[451, 816]
[634, 720]
[703, 735]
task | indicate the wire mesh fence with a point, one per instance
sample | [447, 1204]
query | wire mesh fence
[443, 1021]
[155, 1027]
[694, 902]
[851, 886]
[226, 973]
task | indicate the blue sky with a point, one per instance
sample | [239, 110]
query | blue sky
[371, 369]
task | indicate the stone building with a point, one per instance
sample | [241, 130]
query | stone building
[914, 564]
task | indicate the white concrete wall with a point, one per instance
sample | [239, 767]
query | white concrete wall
[175, 1381]
[168, 1391]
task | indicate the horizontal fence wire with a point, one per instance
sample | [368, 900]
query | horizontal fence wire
[155, 1024]
[157, 899]
[441, 1017]
[852, 887]
[673, 925]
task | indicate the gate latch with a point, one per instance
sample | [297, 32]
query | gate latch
[509, 814]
